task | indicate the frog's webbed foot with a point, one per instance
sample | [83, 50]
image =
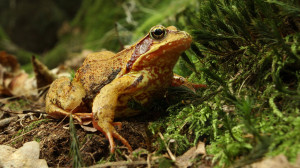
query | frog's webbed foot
[110, 133]
[58, 113]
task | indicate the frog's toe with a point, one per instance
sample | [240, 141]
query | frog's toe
[110, 133]
[114, 134]
[123, 140]
[118, 124]
[111, 141]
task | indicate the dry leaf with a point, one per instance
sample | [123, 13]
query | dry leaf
[185, 160]
[9, 61]
[12, 79]
[279, 161]
[43, 75]
[89, 129]
[16, 86]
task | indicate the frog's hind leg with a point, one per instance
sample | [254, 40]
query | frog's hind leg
[104, 108]
[64, 98]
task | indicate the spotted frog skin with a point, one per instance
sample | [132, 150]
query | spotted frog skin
[106, 83]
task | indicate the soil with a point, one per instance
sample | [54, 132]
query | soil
[54, 137]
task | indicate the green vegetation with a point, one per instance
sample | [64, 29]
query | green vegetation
[17, 105]
[28, 128]
[247, 51]
[248, 54]
[23, 56]
[75, 150]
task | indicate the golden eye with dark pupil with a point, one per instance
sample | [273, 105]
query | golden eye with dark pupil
[157, 32]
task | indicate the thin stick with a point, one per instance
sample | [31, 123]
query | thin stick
[168, 149]
[19, 136]
[8, 111]
[12, 97]
[148, 160]
[121, 163]
[6, 131]
[34, 111]
[61, 121]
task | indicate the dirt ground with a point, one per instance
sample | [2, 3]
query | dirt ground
[54, 136]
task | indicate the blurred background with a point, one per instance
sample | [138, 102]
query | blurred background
[55, 30]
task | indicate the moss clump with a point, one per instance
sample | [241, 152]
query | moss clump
[248, 54]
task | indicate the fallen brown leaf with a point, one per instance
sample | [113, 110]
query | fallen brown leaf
[186, 159]
[279, 161]
[89, 129]
[9, 61]
[9, 69]
[43, 75]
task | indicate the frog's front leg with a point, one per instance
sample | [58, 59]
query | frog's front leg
[181, 81]
[105, 103]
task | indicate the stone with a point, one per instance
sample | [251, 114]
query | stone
[26, 156]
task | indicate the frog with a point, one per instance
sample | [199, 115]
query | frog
[107, 82]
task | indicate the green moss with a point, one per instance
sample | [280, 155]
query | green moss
[165, 163]
[34, 124]
[17, 105]
[28, 128]
[246, 53]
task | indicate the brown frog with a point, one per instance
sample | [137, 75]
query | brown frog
[106, 82]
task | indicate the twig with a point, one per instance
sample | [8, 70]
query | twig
[34, 111]
[148, 160]
[28, 91]
[6, 130]
[84, 145]
[8, 111]
[6, 121]
[168, 149]
[122, 163]
[19, 136]
[242, 85]
[61, 121]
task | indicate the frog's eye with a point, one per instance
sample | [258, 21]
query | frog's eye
[158, 32]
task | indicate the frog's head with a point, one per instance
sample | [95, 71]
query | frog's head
[161, 47]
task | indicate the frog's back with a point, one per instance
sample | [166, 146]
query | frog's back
[99, 69]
